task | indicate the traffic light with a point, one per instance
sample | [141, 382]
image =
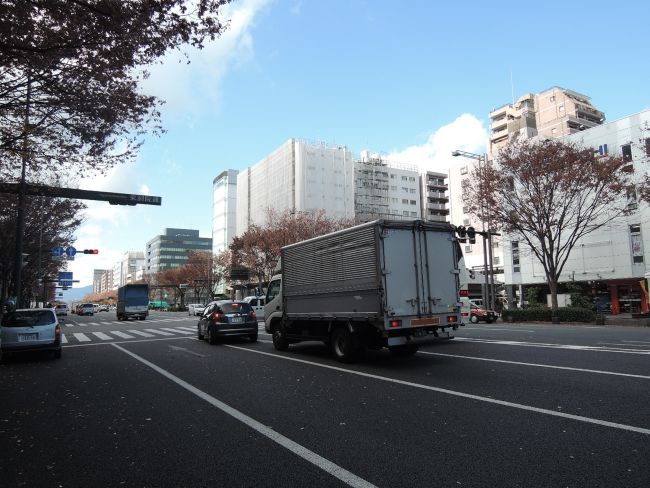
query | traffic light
[471, 235]
[462, 233]
[91, 251]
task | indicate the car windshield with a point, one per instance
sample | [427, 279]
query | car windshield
[28, 318]
[235, 307]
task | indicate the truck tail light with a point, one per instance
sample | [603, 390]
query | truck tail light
[395, 323]
[463, 293]
[452, 319]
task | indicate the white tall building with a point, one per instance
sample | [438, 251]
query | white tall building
[613, 260]
[299, 176]
[224, 210]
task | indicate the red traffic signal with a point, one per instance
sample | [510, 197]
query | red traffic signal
[91, 251]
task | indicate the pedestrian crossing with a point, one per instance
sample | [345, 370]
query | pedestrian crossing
[114, 335]
[109, 322]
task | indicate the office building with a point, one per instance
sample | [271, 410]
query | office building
[224, 210]
[170, 250]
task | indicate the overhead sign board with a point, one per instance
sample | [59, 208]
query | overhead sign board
[65, 278]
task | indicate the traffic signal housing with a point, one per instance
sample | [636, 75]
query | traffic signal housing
[462, 234]
[471, 235]
[91, 251]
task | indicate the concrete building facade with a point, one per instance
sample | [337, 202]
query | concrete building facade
[299, 176]
[613, 261]
[435, 198]
[224, 210]
[97, 280]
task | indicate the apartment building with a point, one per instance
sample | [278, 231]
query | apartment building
[97, 280]
[435, 200]
[299, 176]
[611, 263]
[553, 113]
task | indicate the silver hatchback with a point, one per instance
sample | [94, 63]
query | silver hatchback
[32, 329]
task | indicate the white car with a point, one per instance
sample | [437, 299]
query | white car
[195, 309]
[61, 309]
[258, 305]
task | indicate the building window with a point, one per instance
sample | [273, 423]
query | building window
[413, 202]
[552, 98]
[631, 198]
[411, 178]
[405, 201]
[405, 178]
[637, 243]
[496, 260]
[466, 222]
[465, 210]
[561, 108]
[514, 246]
[463, 170]
[626, 151]
[468, 248]
[414, 214]
[602, 150]
[553, 130]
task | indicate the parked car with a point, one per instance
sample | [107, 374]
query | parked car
[61, 309]
[195, 309]
[30, 330]
[86, 309]
[258, 305]
[225, 318]
[103, 307]
[479, 314]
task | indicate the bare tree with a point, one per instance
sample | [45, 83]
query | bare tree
[549, 194]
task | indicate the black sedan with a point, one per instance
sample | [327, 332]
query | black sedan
[226, 318]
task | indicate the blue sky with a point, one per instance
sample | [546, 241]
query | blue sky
[411, 79]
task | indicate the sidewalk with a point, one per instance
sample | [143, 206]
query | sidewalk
[627, 319]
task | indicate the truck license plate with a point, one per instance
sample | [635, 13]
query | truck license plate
[427, 321]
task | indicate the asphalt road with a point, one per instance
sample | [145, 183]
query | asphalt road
[500, 405]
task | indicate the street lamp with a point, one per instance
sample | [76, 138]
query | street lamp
[488, 270]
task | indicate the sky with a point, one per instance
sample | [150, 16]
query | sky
[412, 80]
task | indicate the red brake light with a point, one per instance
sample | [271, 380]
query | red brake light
[216, 316]
[57, 330]
[253, 315]
[463, 293]
[464, 314]
[452, 319]
[395, 323]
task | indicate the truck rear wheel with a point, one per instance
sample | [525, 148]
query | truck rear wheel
[344, 344]
[280, 341]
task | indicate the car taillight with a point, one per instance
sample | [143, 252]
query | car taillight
[395, 323]
[57, 331]
[253, 315]
[216, 316]
[464, 314]
[452, 319]
[463, 293]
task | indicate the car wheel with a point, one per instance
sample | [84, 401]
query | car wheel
[199, 334]
[474, 319]
[405, 350]
[253, 337]
[212, 339]
[280, 341]
[57, 354]
[344, 345]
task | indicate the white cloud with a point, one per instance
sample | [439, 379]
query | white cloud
[185, 87]
[466, 133]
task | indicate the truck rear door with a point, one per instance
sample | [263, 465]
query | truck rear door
[420, 271]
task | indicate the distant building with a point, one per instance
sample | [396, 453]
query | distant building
[435, 199]
[224, 210]
[169, 250]
[107, 281]
[97, 280]
[385, 189]
[299, 176]
[553, 113]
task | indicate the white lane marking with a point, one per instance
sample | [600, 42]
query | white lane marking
[64, 339]
[639, 342]
[498, 328]
[102, 336]
[159, 332]
[552, 346]
[69, 325]
[328, 466]
[520, 406]
[140, 333]
[81, 337]
[596, 371]
[192, 329]
[129, 341]
[122, 334]
[93, 323]
[176, 330]
[622, 345]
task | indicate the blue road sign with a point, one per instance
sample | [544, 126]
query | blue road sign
[65, 278]
[57, 251]
[71, 251]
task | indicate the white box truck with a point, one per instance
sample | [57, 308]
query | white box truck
[381, 284]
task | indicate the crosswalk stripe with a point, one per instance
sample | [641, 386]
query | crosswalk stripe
[69, 325]
[160, 332]
[64, 339]
[93, 323]
[193, 329]
[81, 337]
[140, 333]
[177, 330]
[102, 336]
[121, 334]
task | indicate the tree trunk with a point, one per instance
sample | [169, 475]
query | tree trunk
[552, 284]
